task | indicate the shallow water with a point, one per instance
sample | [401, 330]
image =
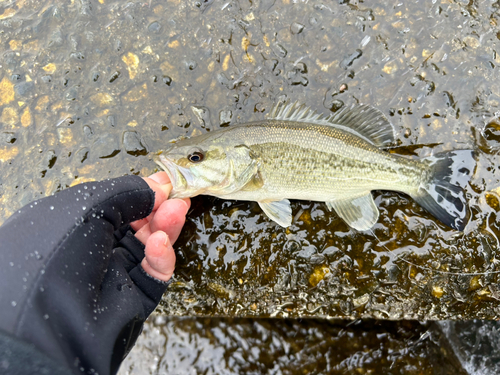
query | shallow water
[89, 88]
[285, 346]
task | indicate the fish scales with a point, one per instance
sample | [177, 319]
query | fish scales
[300, 154]
[313, 162]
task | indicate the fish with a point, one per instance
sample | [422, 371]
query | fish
[300, 154]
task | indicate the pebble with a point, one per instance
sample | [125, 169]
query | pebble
[106, 146]
[349, 59]
[133, 143]
[296, 28]
[225, 117]
[154, 27]
[7, 137]
[24, 89]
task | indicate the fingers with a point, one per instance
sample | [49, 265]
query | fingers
[161, 228]
[160, 184]
[143, 233]
[137, 225]
[160, 177]
[169, 218]
[159, 261]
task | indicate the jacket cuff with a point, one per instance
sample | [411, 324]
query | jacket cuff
[152, 288]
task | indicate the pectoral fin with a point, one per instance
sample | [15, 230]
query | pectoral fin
[360, 213]
[279, 211]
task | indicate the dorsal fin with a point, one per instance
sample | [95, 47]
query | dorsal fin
[362, 120]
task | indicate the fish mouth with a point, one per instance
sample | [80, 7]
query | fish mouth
[177, 178]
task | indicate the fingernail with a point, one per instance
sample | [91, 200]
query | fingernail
[163, 237]
[183, 201]
[167, 241]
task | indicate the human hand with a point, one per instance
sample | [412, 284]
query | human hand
[159, 231]
[75, 282]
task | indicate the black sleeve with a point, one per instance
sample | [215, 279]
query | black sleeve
[71, 284]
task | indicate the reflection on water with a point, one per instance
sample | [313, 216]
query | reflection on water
[474, 343]
[88, 89]
[285, 346]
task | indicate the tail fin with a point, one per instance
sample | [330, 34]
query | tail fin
[443, 195]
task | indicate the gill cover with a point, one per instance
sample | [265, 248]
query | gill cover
[221, 170]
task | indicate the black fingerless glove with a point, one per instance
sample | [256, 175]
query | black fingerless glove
[72, 290]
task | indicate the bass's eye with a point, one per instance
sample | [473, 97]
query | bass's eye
[195, 157]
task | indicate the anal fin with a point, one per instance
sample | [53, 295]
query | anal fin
[279, 211]
[360, 212]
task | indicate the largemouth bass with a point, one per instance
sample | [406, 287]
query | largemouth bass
[337, 159]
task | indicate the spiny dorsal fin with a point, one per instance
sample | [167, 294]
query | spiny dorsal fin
[362, 120]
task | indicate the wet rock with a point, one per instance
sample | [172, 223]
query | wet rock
[471, 341]
[77, 55]
[296, 74]
[7, 137]
[296, 28]
[136, 93]
[11, 60]
[106, 146]
[111, 120]
[85, 7]
[118, 45]
[48, 161]
[204, 4]
[82, 154]
[271, 64]
[291, 246]
[56, 39]
[114, 76]
[223, 80]
[225, 117]
[25, 89]
[87, 131]
[203, 115]
[334, 105]
[65, 136]
[154, 27]
[9, 116]
[71, 94]
[492, 133]
[167, 80]
[133, 143]
[191, 65]
[7, 92]
[102, 99]
[132, 61]
[349, 59]
[279, 50]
